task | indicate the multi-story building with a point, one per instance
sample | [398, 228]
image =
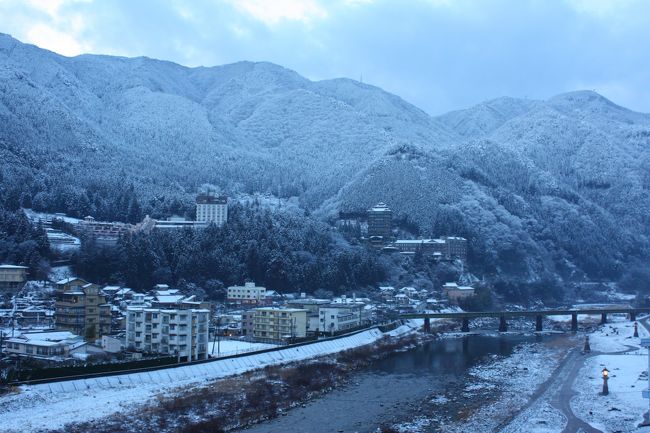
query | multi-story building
[212, 209]
[456, 248]
[248, 294]
[380, 220]
[454, 292]
[12, 277]
[104, 233]
[81, 309]
[447, 248]
[336, 318]
[182, 333]
[312, 306]
[279, 324]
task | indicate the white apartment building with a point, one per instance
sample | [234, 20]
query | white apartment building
[279, 324]
[212, 209]
[336, 318]
[249, 293]
[183, 333]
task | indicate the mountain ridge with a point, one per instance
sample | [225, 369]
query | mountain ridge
[515, 176]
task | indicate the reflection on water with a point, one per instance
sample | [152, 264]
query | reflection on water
[391, 387]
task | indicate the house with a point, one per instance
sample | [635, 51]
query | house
[81, 309]
[180, 332]
[279, 324]
[248, 294]
[46, 345]
[12, 277]
[401, 299]
[454, 292]
[111, 344]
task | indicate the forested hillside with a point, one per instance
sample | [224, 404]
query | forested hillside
[544, 190]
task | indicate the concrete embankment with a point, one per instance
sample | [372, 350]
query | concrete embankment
[216, 369]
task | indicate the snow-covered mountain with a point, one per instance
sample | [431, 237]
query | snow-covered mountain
[557, 186]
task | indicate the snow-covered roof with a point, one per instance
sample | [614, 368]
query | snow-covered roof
[167, 292]
[68, 280]
[13, 267]
[169, 299]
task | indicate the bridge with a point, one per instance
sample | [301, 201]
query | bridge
[465, 317]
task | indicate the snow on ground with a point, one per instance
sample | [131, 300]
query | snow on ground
[58, 273]
[512, 380]
[235, 347]
[622, 410]
[38, 408]
[615, 336]
[539, 418]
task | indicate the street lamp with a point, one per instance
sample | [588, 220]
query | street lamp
[605, 379]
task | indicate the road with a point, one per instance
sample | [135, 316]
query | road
[558, 390]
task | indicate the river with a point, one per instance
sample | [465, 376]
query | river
[392, 389]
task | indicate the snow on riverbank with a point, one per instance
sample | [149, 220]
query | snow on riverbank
[622, 410]
[511, 381]
[227, 347]
[50, 406]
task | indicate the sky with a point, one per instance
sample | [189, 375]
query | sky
[440, 55]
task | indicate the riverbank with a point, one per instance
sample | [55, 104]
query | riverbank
[64, 404]
[547, 388]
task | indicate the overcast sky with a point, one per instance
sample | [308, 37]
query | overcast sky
[440, 55]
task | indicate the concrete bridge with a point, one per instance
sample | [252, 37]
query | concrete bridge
[538, 315]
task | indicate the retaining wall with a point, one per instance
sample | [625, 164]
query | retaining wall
[186, 374]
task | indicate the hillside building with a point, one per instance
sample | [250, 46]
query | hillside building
[453, 292]
[212, 209]
[81, 309]
[12, 277]
[182, 333]
[380, 221]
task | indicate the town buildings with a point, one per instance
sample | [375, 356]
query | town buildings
[335, 318]
[279, 324]
[212, 209]
[380, 220]
[81, 309]
[12, 277]
[248, 294]
[182, 333]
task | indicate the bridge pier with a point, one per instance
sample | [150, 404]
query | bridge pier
[603, 318]
[427, 325]
[503, 325]
[465, 326]
[632, 316]
[574, 322]
[538, 323]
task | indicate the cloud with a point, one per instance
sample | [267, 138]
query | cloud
[438, 54]
[273, 12]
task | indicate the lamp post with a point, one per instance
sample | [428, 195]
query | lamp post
[605, 379]
[587, 347]
[636, 330]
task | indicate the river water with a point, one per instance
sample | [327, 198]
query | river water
[392, 389]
